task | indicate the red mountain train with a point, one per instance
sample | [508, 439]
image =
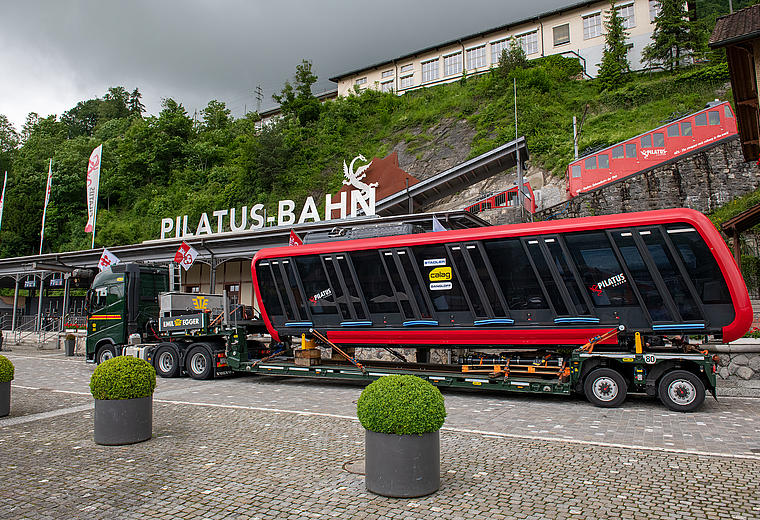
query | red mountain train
[660, 273]
[504, 199]
[653, 148]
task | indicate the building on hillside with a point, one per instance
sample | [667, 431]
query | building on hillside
[739, 33]
[575, 30]
[271, 115]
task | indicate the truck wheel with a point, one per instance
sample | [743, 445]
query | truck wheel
[199, 363]
[605, 387]
[105, 353]
[167, 363]
[681, 391]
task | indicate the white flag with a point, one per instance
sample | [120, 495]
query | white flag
[107, 259]
[185, 255]
[2, 198]
[47, 199]
[437, 226]
[93, 185]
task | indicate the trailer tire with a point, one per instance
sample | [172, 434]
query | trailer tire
[199, 363]
[105, 353]
[167, 362]
[681, 391]
[605, 387]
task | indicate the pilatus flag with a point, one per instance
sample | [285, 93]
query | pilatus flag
[2, 198]
[47, 199]
[437, 226]
[185, 255]
[107, 259]
[294, 240]
[93, 184]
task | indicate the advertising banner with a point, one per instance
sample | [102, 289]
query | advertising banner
[93, 184]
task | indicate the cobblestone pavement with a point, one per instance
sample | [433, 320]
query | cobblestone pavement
[254, 447]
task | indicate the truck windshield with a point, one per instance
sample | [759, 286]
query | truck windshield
[101, 297]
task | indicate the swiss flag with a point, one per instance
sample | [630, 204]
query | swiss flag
[185, 255]
[107, 259]
[294, 239]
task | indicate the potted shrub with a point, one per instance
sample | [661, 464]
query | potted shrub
[402, 416]
[6, 376]
[123, 391]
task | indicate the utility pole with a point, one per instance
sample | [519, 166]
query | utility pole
[259, 94]
[520, 180]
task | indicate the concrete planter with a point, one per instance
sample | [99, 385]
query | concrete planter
[123, 421]
[402, 465]
[5, 398]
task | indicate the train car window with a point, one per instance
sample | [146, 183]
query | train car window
[665, 263]
[282, 290]
[374, 282]
[700, 119]
[518, 282]
[575, 170]
[686, 128]
[319, 296]
[353, 295]
[604, 160]
[474, 209]
[565, 272]
[646, 141]
[618, 152]
[412, 277]
[444, 298]
[673, 130]
[462, 271]
[600, 270]
[653, 300]
[630, 150]
[397, 282]
[591, 163]
[658, 139]
[560, 308]
[484, 273]
[295, 290]
[339, 297]
[501, 200]
[268, 290]
[487, 205]
[727, 112]
[703, 270]
[714, 117]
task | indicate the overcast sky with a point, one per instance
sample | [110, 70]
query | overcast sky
[56, 53]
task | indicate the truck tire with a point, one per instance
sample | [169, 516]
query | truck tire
[105, 353]
[605, 387]
[199, 363]
[681, 391]
[167, 362]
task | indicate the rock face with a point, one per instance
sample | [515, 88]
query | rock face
[446, 144]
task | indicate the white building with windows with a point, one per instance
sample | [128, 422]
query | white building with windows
[576, 30]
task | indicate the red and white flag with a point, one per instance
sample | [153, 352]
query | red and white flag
[93, 185]
[185, 255]
[2, 198]
[47, 199]
[107, 259]
[294, 239]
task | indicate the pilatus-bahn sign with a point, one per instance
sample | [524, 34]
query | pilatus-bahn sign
[348, 204]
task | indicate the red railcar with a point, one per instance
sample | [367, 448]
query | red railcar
[665, 272]
[505, 199]
[653, 148]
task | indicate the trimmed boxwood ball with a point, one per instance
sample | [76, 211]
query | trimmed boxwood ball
[6, 370]
[403, 405]
[123, 377]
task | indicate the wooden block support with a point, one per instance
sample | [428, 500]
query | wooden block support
[307, 357]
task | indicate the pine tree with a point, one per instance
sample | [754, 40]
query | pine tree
[615, 59]
[674, 36]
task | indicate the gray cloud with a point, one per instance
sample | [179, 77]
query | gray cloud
[56, 53]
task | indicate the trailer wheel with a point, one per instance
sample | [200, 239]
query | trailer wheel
[167, 362]
[605, 387]
[105, 353]
[681, 391]
[199, 363]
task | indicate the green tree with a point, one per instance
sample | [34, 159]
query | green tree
[513, 57]
[9, 141]
[216, 115]
[674, 37]
[296, 99]
[135, 106]
[615, 58]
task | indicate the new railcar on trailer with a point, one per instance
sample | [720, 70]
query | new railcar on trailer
[638, 283]
[653, 148]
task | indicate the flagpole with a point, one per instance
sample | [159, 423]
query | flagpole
[47, 199]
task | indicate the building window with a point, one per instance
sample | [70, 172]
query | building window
[654, 10]
[407, 68]
[592, 26]
[626, 13]
[561, 34]
[192, 289]
[386, 86]
[529, 42]
[452, 64]
[496, 49]
[387, 74]
[407, 81]
[430, 70]
[476, 57]
[361, 81]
